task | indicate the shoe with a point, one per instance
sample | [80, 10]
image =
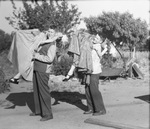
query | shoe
[45, 118]
[99, 113]
[88, 112]
[33, 114]
[14, 80]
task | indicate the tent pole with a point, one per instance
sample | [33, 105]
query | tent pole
[121, 56]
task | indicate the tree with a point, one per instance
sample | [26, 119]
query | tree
[5, 41]
[33, 1]
[57, 15]
[119, 28]
[135, 31]
[52, 14]
[147, 45]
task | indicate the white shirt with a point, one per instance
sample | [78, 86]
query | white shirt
[96, 58]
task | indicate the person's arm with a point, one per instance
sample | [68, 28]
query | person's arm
[47, 41]
[104, 51]
[104, 46]
[50, 54]
[97, 48]
[70, 73]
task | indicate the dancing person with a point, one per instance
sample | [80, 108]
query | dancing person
[94, 98]
[20, 54]
[43, 58]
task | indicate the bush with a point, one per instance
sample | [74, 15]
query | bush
[4, 85]
[5, 41]
[63, 66]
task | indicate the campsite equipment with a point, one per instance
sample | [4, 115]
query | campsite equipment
[133, 71]
[109, 72]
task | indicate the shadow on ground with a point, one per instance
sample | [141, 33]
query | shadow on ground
[145, 98]
[21, 99]
[26, 98]
[73, 98]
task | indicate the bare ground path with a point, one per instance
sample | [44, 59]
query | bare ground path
[127, 101]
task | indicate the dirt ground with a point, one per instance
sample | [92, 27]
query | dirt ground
[126, 101]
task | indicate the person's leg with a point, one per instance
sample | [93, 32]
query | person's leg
[89, 101]
[36, 95]
[44, 95]
[96, 94]
[15, 79]
[17, 76]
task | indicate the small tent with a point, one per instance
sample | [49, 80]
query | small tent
[134, 71]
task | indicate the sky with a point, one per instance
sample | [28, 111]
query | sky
[139, 9]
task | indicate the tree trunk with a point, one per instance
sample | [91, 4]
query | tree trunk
[134, 52]
[130, 49]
